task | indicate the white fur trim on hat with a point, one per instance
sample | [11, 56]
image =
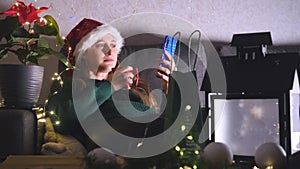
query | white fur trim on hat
[92, 37]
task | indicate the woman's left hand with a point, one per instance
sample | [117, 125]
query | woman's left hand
[164, 72]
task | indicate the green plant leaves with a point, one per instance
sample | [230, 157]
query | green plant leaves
[7, 26]
[61, 58]
[51, 28]
[45, 30]
[3, 53]
[55, 25]
[43, 43]
[27, 41]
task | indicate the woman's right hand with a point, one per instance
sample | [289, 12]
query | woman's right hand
[164, 72]
[121, 78]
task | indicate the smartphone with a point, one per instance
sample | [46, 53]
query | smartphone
[170, 45]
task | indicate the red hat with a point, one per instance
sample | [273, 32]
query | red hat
[87, 33]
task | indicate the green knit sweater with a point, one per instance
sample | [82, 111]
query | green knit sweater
[63, 104]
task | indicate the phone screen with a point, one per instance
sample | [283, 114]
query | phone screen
[170, 45]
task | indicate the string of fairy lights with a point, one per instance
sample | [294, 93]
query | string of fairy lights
[42, 112]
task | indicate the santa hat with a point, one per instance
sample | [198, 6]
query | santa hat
[87, 33]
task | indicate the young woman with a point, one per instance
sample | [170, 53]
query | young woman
[95, 47]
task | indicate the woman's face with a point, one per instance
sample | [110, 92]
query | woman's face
[101, 57]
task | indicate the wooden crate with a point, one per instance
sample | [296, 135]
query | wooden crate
[43, 162]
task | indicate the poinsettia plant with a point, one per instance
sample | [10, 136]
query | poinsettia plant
[24, 33]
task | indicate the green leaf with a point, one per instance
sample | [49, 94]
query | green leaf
[51, 21]
[3, 53]
[22, 55]
[61, 58]
[43, 52]
[6, 45]
[33, 59]
[21, 39]
[43, 43]
[23, 52]
[45, 30]
[7, 26]
[22, 32]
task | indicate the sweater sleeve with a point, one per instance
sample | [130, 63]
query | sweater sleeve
[103, 91]
[65, 111]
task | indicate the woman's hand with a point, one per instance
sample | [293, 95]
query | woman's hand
[121, 78]
[164, 72]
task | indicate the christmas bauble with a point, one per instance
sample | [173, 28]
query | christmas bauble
[270, 155]
[217, 155]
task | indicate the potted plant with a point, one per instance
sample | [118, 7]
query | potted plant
[23, 34]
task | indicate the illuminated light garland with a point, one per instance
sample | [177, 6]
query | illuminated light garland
[188, 151]
[56, 77]
[42, 113]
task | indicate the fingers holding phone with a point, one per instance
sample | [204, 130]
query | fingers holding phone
[167, 64]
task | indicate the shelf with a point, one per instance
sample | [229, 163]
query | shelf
[43, 162]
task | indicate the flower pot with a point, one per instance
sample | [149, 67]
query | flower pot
[20, 85]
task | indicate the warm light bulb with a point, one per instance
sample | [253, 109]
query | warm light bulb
[31, 31]
[177, 148]
[188, 107]
[57, 122]
[42, 120]
[39, 116]
[195, 167]
[196, 152]
[51, 112]
[183, 127]
[269, 167]
[43, 20]
[181, 153]
[190, 137]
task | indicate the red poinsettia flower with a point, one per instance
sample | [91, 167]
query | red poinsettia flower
[25, 13]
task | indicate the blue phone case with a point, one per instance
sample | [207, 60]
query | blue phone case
[170, 45]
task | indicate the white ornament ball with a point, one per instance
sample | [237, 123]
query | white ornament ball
[270, 154]
[102, 157]
[217, 155]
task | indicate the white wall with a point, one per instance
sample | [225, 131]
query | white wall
[217, 19]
